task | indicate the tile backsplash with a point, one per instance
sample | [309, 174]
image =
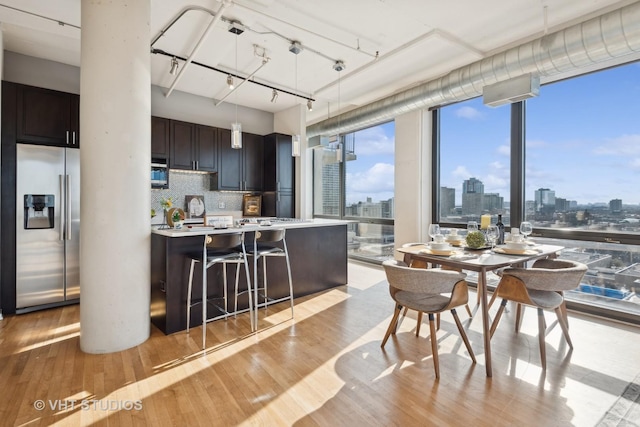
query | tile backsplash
[185, 183]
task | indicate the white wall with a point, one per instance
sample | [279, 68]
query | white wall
[412, 177]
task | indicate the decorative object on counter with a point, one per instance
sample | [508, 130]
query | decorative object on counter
[475, 239]
[485, 221]
[195, 206]
[153, 213]
[251, 205]
[175, 218]
[166, 204]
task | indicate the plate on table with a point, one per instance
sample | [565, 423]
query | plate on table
[444, 252]
[509, 251]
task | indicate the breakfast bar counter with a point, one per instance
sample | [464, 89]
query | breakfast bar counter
[317, 250]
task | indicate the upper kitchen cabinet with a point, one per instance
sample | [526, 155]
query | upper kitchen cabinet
[239, 169]
[278, 163]
[193, 147]
[47, 117]
[160, 138]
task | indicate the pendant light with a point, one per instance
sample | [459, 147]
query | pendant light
[295, 139]
[339, 152]
[236, 128]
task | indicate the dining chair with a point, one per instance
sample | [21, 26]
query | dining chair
[427, 290]
[540, 286]
[423, 264]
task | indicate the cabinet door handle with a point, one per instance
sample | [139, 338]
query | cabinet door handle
[196, 162]
[67, 137]
[74, 138]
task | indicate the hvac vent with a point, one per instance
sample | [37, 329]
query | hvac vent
[512, 90]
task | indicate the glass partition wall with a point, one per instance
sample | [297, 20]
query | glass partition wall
[574, 156]
[354, 180]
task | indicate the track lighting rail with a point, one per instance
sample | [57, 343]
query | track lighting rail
[209, 67]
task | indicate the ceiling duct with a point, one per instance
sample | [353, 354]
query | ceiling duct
[609, 36]
[513, 90]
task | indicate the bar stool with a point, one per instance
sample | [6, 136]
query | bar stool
[227, 248]
[268, 243]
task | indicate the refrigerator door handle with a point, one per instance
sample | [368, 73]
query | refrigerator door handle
[62, 197]
[67, 208]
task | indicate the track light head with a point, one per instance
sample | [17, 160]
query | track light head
[236, 28]
[174, 66]
[339, 66]
[295, 47]
[309, 105]
[230, 82]
[274, 95]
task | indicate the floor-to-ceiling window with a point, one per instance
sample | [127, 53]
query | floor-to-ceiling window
[576, 180]
[354, 179]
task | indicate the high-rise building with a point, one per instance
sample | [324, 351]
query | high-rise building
[615, 205]
[331, 189]
[492, 203]
[545, 200]
[472, 196]
[447, 201]
[472, 185]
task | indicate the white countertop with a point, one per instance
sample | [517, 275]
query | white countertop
[201, 230]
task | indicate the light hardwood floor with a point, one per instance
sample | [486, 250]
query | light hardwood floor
[324, 368]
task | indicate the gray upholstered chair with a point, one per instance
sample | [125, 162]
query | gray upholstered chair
[540, 286]
[427, 290]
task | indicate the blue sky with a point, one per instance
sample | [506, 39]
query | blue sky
[583, 140]
[371, 175]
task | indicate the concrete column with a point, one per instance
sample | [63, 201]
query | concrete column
[115, 147]
[412, 177]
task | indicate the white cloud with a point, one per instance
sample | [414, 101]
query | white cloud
[468, 113]
[624, 145]
[461, 172]
[376, 182]
[504, 150]
[373, 142]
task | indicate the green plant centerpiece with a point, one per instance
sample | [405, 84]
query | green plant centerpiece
[476, 239]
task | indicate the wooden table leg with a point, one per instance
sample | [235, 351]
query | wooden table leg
[482, 287]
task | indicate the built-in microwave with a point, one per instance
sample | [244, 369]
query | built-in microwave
[159, 173]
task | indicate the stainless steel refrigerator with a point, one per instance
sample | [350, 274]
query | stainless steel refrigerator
[47, 226]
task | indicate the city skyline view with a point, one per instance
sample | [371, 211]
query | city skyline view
[565, 147]
[371, 175]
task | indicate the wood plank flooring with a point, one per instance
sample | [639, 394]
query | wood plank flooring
[325, 368]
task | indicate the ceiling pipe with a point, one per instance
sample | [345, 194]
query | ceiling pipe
[609, 36]
[214, 21]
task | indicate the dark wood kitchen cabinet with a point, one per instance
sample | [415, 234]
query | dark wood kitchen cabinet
[193, 147]
[279, 177]
[160, 138]
[47, 117]
[239, 169]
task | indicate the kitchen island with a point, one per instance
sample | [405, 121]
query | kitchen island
[317, 251]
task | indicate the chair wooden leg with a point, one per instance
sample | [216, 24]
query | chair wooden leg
[564, 326]
[434, 345]
[565, 316]
[468, 310]
[494, 325]
[463, 334]
[519, 313]
[392, 325]
[541, 331]
[438, 321]
[419, 323]
[404, 314]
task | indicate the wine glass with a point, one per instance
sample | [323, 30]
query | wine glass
[472, 226]
[492, 234]
[525, 228]
[434, 230]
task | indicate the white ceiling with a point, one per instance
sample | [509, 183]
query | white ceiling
[386, 45]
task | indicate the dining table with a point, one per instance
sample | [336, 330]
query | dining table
[481, 261]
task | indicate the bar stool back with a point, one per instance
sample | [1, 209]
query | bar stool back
[227, 248]
[268, 243]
